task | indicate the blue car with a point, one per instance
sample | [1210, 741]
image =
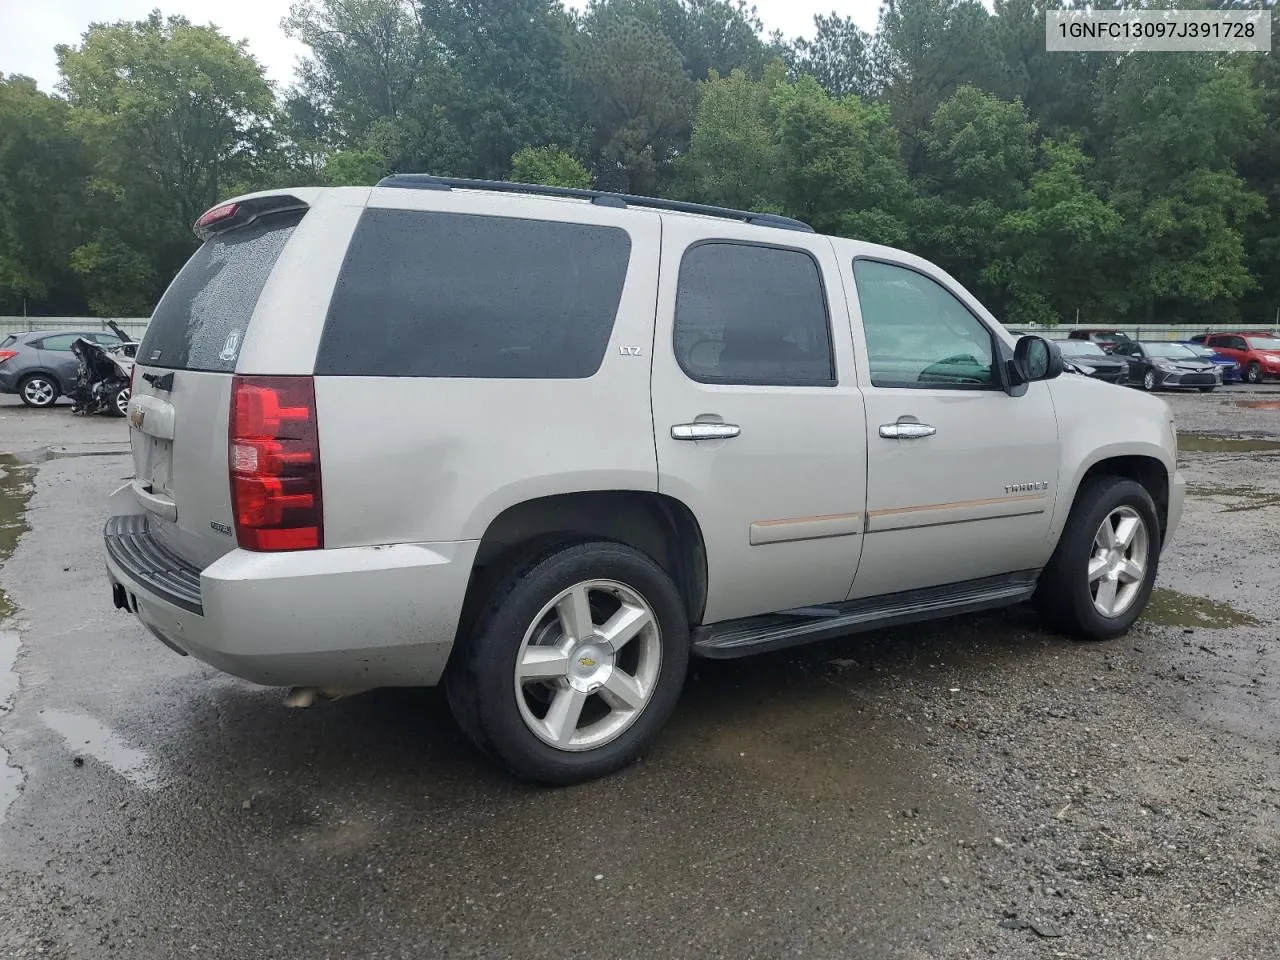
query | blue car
[1230, 369]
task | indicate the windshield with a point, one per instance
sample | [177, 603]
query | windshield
[1081, 348]
[1264, 343]
[1175, 351]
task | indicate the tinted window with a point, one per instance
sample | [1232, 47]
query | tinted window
[918, 333]
[201, 320]
[61, 341]
[751, 314]
[454, 295]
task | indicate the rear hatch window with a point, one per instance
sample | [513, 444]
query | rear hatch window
[201, 321]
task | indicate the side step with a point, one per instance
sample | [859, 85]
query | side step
[777, 631]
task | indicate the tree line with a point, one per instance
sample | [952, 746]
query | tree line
[1116, 188]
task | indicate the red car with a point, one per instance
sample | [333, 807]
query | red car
[1257, 353]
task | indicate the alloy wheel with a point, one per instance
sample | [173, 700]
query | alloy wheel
[1118, 565]
[588, 665]
[39, 392]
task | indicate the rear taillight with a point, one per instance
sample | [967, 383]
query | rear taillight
[7, 355]
[275, 464]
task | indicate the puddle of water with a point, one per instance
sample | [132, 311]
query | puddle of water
[1250, 498]
[1207, 443]
[1168, 608]
[15, 490]
[1258, 404]
[85, 735]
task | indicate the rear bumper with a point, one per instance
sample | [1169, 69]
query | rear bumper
[356, 617]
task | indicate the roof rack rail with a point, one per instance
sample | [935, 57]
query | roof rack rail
[425, 181]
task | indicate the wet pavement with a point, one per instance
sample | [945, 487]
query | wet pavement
[972, 788]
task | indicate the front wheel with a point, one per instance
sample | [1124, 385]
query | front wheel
[574, 663]
[1101, 575]
[120, 403]
[1253, 373]
[1149, 380]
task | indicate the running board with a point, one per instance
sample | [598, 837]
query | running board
[790, 628]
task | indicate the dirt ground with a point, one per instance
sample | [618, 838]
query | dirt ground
[977, 787]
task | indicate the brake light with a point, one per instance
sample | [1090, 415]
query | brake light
[7, 355]
[214, 215]
[274, 462]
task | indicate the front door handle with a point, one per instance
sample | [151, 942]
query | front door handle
[906, 430]
[705, 431]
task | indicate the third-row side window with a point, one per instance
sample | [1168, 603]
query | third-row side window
[749, 314]
[428, 294]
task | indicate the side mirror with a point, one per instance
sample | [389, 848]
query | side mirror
[1035, 358]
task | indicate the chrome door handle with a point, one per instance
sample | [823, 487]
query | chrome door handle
[906, 430]
[705, 431]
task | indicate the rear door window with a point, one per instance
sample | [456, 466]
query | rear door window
[427, 294]
[751, 314]
[202, 318]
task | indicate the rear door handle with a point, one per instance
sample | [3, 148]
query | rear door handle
[906, 430]
[705, 431]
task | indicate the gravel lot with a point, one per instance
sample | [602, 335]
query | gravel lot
[972, 788]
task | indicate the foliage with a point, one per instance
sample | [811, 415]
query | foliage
[1125, 187]
[549, 166]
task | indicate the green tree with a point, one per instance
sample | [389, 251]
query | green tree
[838, 57]
[639, 100]
[511, 59]
[42, 171]
[354, 168]
[173, 115]
[1176, 128]
[734, 155]
[549, 166]
[1053, 249]
[979, 154]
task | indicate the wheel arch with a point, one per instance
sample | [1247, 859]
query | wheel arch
[1147, 468]
[659, 526]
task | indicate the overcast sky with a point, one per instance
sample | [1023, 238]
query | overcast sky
[29, 29]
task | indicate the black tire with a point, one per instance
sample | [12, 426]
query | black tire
[1207, 389]
[25, 385]
[480, 679]
[119, 403]
[1063, 595]
[1149, 380]
[1253, 373]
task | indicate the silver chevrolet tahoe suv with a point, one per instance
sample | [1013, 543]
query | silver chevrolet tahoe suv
[542, 446]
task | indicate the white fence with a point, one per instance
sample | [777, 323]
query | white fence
[134, 326]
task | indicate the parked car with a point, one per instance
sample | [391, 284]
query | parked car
[1257, 354]
[1108, 340]
[39, 366]
[1229, 369]
[544, 445]
[1159, 364]
[1087, 358]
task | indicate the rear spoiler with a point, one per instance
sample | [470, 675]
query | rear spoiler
[239, 213]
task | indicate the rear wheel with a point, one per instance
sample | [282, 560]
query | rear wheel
[1101, 575]
[573, 664]
[38, 390]
[1253, 372]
